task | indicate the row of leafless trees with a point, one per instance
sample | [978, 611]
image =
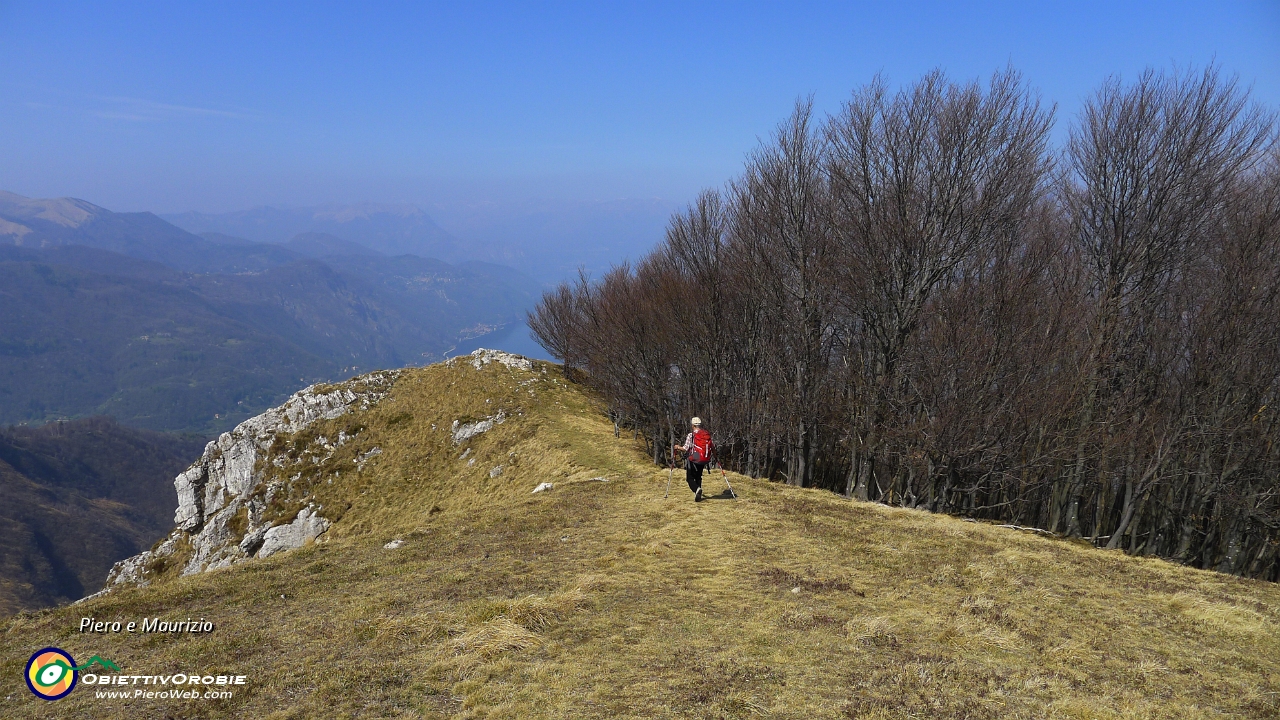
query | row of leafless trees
[918, 301]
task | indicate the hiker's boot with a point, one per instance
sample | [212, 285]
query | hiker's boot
[697, 494]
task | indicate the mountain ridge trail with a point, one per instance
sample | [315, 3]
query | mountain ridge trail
[442, 589]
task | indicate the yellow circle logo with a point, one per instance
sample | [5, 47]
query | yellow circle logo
[51, 673]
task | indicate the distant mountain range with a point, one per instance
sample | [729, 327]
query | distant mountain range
[30, 223]
[318, 245]
[548, 240]
[126, 315]
[388, 229]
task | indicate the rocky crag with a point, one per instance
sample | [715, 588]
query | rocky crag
[250, 495]
[223, 498]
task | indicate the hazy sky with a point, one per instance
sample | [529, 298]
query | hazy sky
[222, 106]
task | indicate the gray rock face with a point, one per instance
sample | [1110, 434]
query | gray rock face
[481, 357]
[227, 479]
[222, 497]
[466, 431]
[307, 526]
[364, 457]
[226, 470]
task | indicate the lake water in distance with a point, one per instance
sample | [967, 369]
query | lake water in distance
[514, 338]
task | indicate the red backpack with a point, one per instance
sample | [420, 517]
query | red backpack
[702, 446]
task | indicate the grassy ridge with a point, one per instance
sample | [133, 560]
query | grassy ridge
[601, 599]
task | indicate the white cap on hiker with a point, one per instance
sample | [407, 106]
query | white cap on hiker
[696, 421]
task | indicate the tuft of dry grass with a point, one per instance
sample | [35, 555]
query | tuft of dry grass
[602, 600]
[495, 637]
[532, 611]
[875, 631]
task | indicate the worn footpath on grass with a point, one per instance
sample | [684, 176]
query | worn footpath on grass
[599, 598]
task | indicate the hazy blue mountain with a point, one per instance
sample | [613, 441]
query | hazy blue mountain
[471, 295]
[331, 314]
[27, 222]
[320, 245]
[221, 239]
[388, 229]
[548, 240]
[90, 259]
[128, 316]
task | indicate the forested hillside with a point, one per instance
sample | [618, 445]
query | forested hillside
[76, 497]
[149, 352]
[87, 331]
[920, 301]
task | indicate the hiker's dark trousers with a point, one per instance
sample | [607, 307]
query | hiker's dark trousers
[693, 474]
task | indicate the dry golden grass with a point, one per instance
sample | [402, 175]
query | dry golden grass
[600, 599]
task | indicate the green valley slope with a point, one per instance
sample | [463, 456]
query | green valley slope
[446, 588]
[91, 332]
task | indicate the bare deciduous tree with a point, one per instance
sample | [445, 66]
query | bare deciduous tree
[908, 304]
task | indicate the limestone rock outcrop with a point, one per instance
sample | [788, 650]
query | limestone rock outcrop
[479, 358]
[224, 498]
[211, 530]
[466, 431]
[307, 526]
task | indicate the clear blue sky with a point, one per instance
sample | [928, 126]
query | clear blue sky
[220, 106]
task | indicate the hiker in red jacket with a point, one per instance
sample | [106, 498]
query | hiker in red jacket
[699, 449]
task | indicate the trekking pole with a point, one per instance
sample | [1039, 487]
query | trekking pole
[725, 475]
[671, 461]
